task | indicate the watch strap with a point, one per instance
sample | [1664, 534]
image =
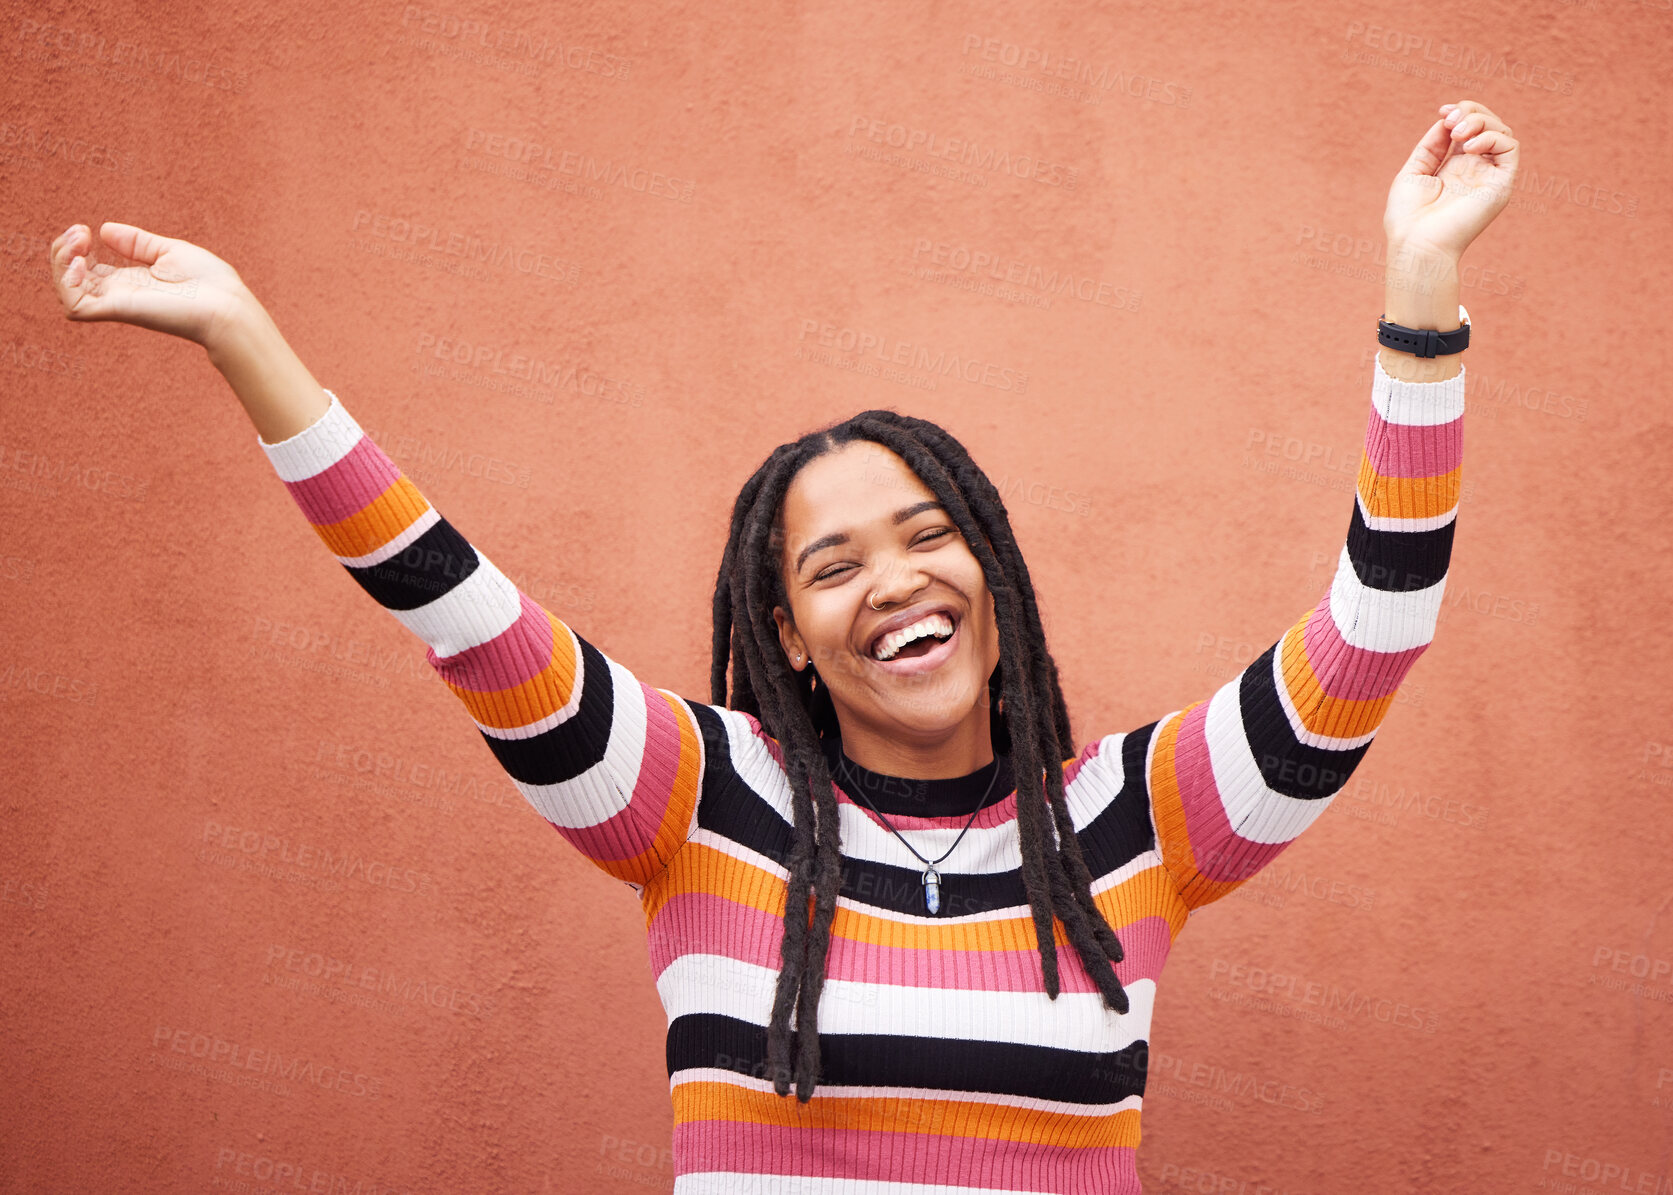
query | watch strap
[1425, 342]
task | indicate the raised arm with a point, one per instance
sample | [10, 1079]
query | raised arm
[614, 764]
[1234, 779]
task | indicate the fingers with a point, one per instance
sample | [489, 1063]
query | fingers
[68, 267]
[133, 243]
[1469, 117]
[1430, 151]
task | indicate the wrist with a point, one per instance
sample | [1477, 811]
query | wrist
[238, 331]
[1421, 288]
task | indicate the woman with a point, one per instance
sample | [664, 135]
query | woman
[859, 872]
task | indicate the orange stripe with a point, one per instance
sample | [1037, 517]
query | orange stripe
[1195, 889]
[708, 1100]
[376, 523]
[682, 796]
[1406, 497]
[1337, 717]
[703, 868]
[1167, 806]
[544, 693]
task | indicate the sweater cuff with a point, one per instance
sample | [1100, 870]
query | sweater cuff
[316, 447]
[1400, 401]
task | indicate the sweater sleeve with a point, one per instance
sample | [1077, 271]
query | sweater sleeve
[1235, 778]
[614, 765]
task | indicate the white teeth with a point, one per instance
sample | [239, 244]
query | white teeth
[935, 624]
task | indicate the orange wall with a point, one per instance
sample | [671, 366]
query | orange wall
[1499, 863]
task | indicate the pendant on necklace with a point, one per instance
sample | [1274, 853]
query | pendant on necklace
[932, 889]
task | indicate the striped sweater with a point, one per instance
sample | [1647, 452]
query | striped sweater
[946, 1068]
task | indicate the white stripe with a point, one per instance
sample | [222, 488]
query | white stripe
[1254, 811]
[743, 854]
[709, 1074]
[753, 762]
[723, 844]
[984, 850]
[1097, 784]
[474, 611]
[1417, 403]
[715, 984]
[1141, 862]
[1380, 620]
[726, 846]
[316, 447]
[396, 546]
[736, 1182]
[606, 788]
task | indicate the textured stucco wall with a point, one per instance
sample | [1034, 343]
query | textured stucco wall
[183, 662]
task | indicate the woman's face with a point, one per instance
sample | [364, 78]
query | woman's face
[859, 524]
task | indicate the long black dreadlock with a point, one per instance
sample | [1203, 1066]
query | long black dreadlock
[797, 711]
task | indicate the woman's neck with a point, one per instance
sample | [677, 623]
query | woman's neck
[968, 748]
[945, 796]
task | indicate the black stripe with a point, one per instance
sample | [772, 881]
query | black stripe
[1399, 561]
[733, 810]
[1122, 831]
[718, 771]
[1288, 765]
[433, 564]
[939, 1064]
[737, 812]
[564, 751]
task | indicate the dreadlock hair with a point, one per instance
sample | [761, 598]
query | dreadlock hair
[796, 710]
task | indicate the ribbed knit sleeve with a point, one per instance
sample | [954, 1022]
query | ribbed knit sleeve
[1235, 778]
[612, 763]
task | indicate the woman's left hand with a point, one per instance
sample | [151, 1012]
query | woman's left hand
[1457, 179]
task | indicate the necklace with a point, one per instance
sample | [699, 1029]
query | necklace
[932, 878]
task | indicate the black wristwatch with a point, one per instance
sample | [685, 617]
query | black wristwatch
[1425, 342]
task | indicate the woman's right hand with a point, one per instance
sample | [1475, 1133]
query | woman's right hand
[170, 286]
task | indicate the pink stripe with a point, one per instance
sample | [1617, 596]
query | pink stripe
[996, 814]
[346, 487]
[933, 1158]
[510, 658]
[700, 922]
[634, 827]
[1348, 672]
[1205, 813]
[1087, 755]
[1413, 449]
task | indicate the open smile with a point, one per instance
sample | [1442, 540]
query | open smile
[938, 653]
